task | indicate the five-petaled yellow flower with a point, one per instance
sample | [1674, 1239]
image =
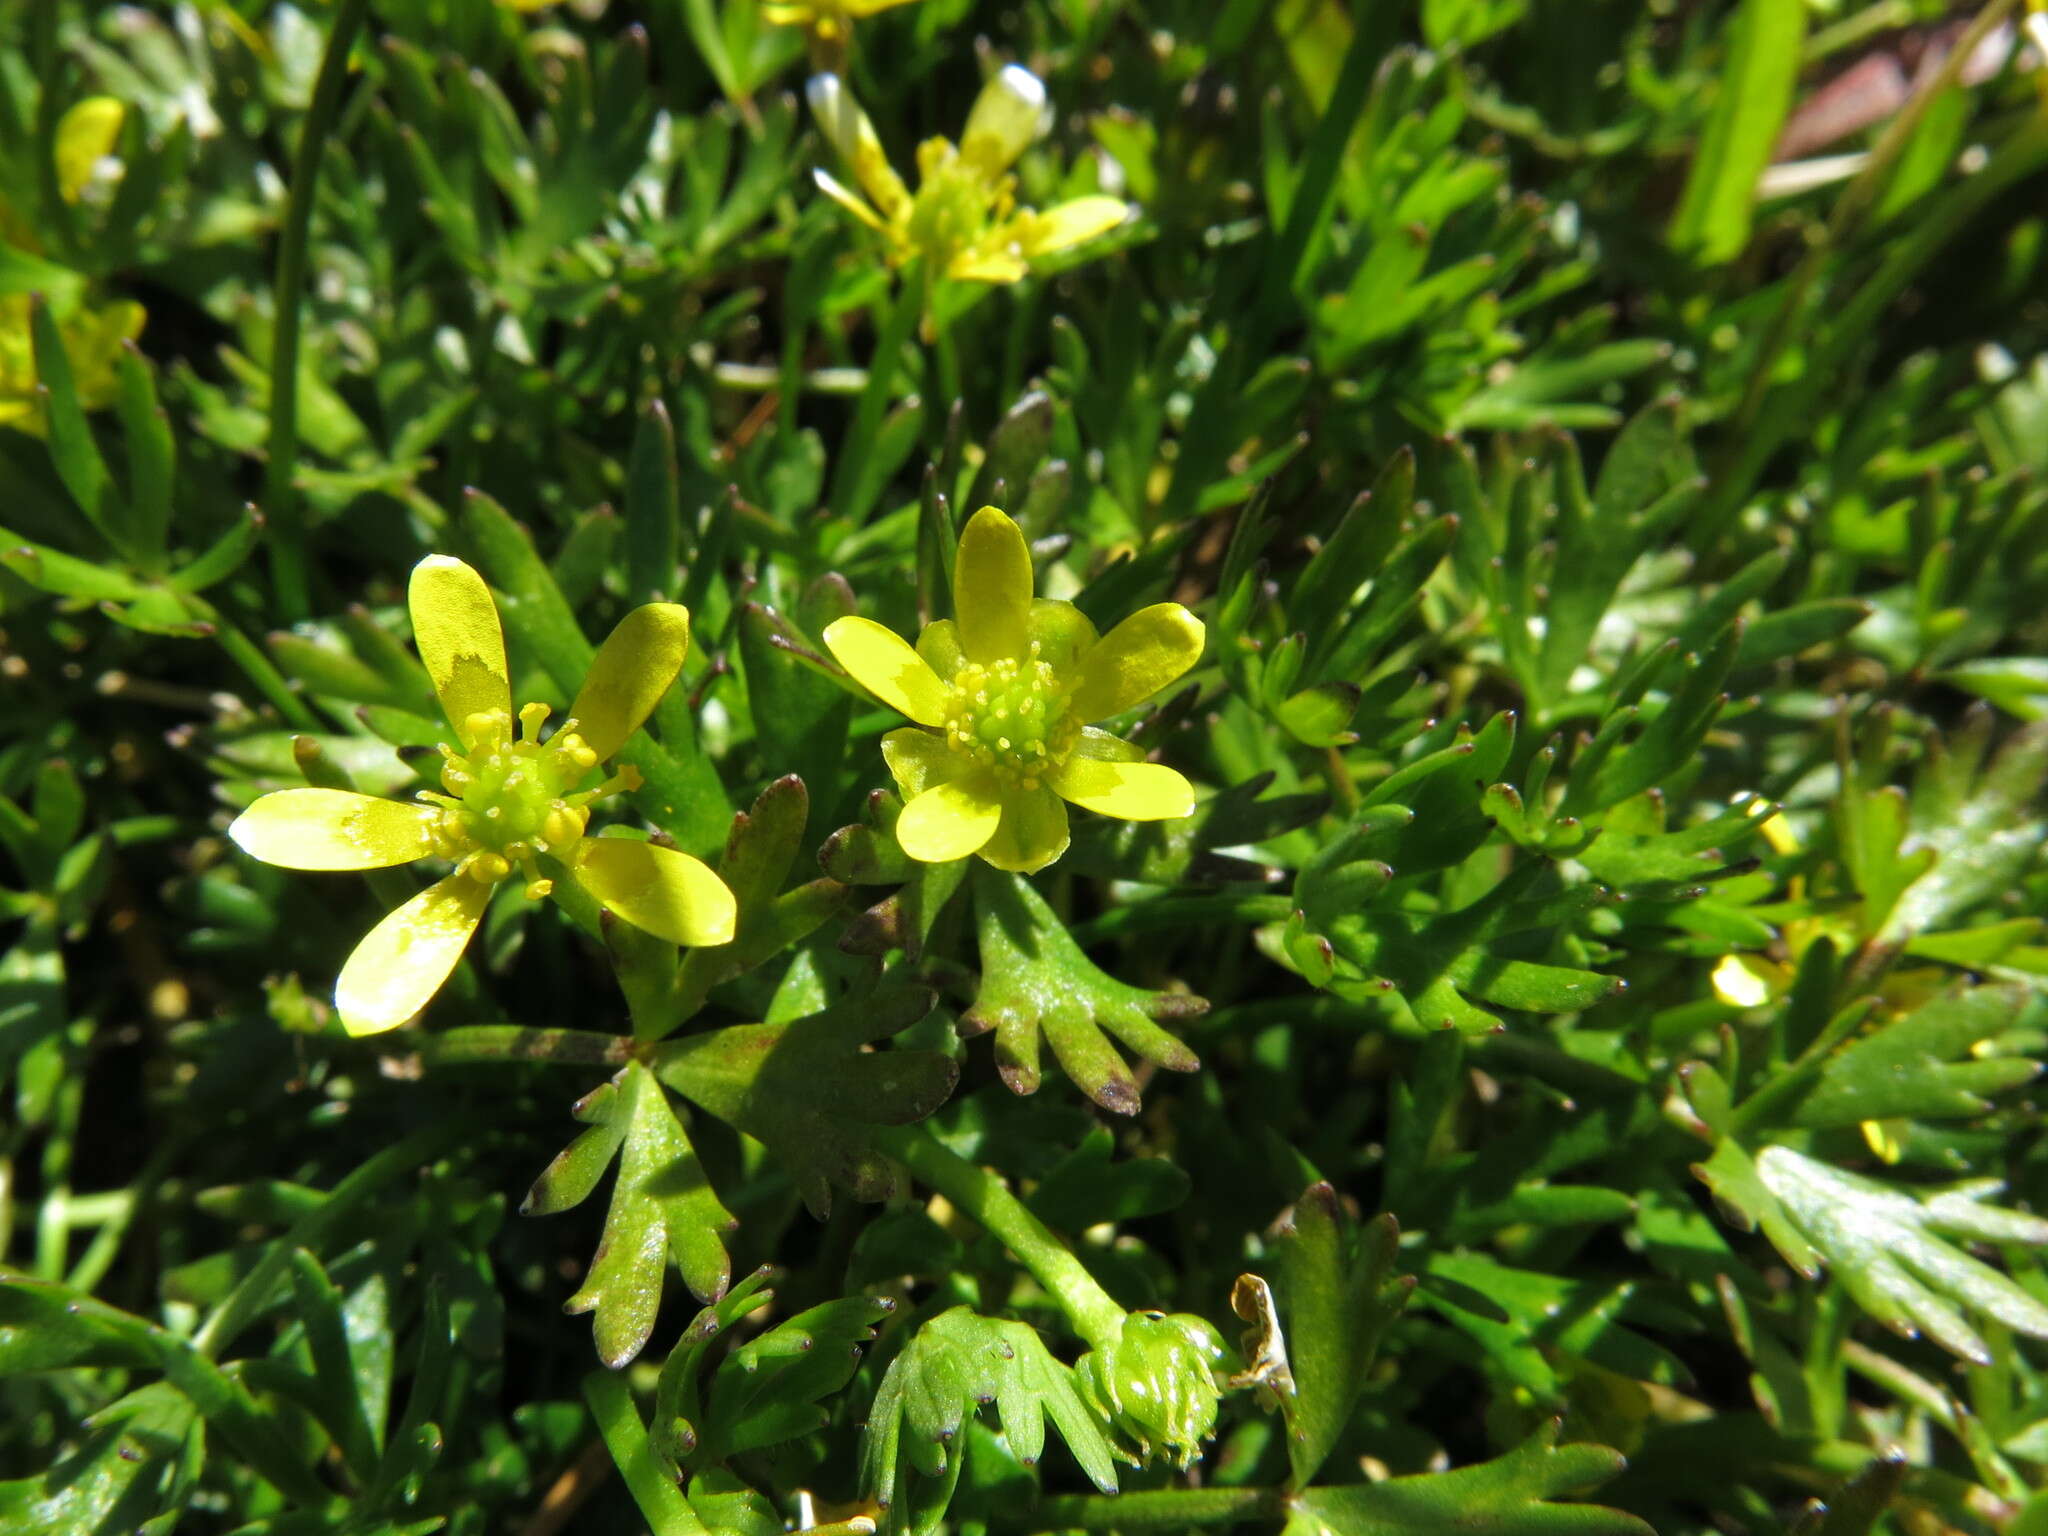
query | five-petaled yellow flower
[828, 19]
[509, 803]
[964, 219]
[1007, 691]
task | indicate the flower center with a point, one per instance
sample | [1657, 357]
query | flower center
[954, 205]
[1011, 718]
[510, 799]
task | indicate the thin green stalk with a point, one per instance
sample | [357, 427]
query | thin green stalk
[984, 1196]
[473, 1043]
[1159, 1509]
[280, 499]
[255, 666]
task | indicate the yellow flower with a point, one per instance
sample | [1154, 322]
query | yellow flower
[964, 219]
[1008, 691]
[87, 136]
[828, 19]
[509, 803]
[92, 338]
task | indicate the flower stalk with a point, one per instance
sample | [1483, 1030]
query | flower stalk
[984, 1196]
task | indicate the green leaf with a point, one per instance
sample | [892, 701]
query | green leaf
[1522, 1318]
[135, 1459]
[72, 448]
[806, 1089]
[1091, 1185]
[759, 852]
[653, 510]
[1922, 1066]
[1338, 1295]
[953, 1365]
[1886, 1246]
[1036, 983]
[1504, 1497]
[662, 1207]
[1754, 94]
[769, 1390]
[661, 1502]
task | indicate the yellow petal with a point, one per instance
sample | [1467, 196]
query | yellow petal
[1749, 981]
[401, 963]
[917, 760]
[990, 265]
[1130, 791]
[1004, 120]
[992, 588]
[1033, 831]
[939, 645]
[1064, 633]
[1102, 747]
[949, 821]
[870, 7]
[456, 625]
[882, 662]
[334, 829]
[1070, 223]
[670, 894]
[848, 199]
[630, 673]
[841, 120]
[1136, 659]
[86, 135]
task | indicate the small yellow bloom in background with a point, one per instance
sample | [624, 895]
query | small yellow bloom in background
[92, 336]
[827, 19]
[1007, 693]
[963, 219]
[511, 799]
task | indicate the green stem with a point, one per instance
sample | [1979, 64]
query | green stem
[1159, 1509]
[280, 499]
[985, 1197]
[473, 1043]
[255, 665]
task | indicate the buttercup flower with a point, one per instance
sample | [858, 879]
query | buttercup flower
[963, 219]
[510, 802]
[84, 150]
[828, 19]
[1006, 694]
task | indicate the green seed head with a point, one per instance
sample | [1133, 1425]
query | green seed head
[1012, 718]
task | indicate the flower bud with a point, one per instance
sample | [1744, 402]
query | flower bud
[1155, 1384]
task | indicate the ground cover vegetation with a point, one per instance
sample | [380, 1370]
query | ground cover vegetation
[1099, 765]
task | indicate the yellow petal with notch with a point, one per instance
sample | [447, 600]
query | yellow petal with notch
[401, 963]
[668, 893]
[1033, 831]
[456, 626]
[334, 829]
[992, 588]
[1129, 791]
[631, 671]
[1135, 660]
[882, 662]
[949, 821]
